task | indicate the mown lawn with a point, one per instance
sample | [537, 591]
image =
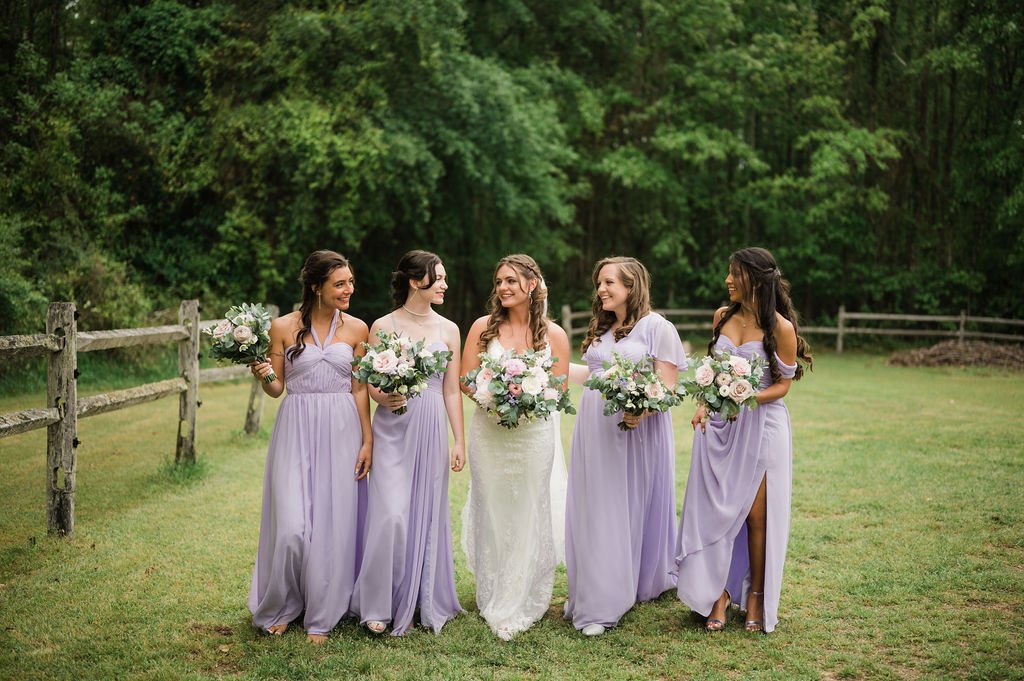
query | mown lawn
[906, 558]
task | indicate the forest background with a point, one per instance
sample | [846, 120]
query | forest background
[155, 151]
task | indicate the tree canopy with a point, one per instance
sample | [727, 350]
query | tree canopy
[154, 151]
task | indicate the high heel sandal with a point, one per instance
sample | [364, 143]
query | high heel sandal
[715, 624]
[376, 627]
[756, 625]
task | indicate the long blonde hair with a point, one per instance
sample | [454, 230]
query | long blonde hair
[634, 277]
[526, 267]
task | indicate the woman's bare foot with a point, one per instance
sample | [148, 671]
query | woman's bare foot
[317, 639]
[277, 629]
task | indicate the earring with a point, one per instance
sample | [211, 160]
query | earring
[319, 299]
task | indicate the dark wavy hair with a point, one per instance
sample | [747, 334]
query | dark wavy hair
[526, 268]
[314, 274]
[413, 266]
[637, 279]
[759, 280]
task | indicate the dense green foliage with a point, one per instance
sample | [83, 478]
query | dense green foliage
[153, 151]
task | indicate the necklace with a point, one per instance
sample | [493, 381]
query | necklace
[417, 314]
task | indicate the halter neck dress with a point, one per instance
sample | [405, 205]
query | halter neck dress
[309, 544]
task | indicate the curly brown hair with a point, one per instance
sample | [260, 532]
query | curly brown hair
[526, 268]
[637, 279]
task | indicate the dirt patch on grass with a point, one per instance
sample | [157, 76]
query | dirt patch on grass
[968, 353]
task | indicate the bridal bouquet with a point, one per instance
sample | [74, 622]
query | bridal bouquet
[726, 383]
[631, 387]
[243, 336]
[399, 365]
[518, 387]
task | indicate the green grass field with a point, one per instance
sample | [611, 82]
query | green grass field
[906, 556]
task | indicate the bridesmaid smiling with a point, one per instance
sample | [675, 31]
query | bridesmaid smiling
[621, 508]
[735, 523]
[407, 562]
[320, 450]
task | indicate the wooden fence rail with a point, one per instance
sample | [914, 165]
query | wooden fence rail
[961, 333]
[843, 327]
[27, 419]
[23, 347]
[62, 342]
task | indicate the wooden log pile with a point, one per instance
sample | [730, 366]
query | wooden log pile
[968, 353]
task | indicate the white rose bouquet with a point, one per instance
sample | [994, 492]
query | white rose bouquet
[518, 387]
[725, 383]
[631, 387]
[243, 336]
[397, 364]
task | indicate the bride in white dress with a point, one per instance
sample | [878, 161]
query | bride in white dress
[512, 524]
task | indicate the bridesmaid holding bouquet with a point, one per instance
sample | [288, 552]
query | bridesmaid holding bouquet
[319, 454]
[407, 561]
[735, 523]
[621, 508]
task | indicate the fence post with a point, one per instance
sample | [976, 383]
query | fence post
[188, 367]
[839, 334]
[255, 410]
[61, 440]
[567, 322]
[963, 327]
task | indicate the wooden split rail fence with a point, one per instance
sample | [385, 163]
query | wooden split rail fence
[62, 342]
[966, 325]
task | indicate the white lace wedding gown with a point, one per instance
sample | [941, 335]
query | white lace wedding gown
[513, 522]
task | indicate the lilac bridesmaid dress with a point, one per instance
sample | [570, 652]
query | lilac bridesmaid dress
[407, 560]
[310, 530]
[729, 461]
[620, 524]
